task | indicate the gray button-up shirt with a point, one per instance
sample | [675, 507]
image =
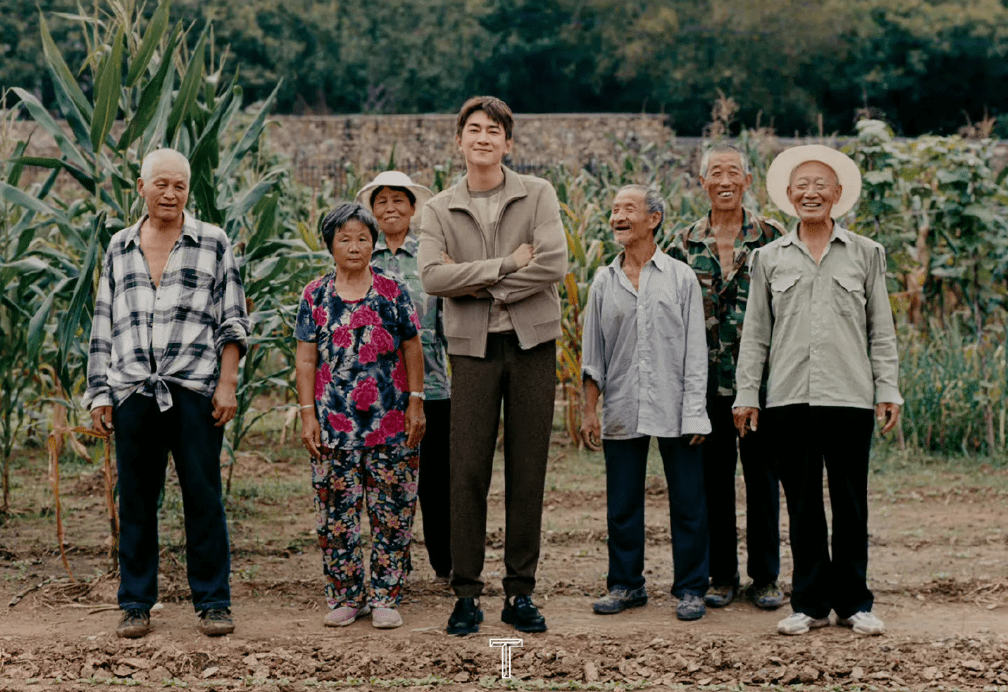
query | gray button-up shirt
[828, 328]
[647, 350]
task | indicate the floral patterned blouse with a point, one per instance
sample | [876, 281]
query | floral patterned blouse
[361, 390]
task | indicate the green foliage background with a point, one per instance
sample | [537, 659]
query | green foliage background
[937, 203]
[921, 65]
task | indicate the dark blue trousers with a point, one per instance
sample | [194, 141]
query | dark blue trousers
[806, 438]
[721, 452]
[144, 436]
[626, 466]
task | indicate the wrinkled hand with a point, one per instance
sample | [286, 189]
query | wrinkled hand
[697, 439]
[887, 414]
[225, 403]
[311, 433]
[746, 418]
[416, 422]
[523, 255]
[101, 419]
[446, 258]
[591, 431]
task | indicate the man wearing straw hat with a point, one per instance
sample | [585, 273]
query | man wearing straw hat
[818, 308]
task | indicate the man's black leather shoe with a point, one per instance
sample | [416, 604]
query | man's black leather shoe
[520, 612]
[466, 617]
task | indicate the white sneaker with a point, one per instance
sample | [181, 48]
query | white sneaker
[864, 622]
[800, 623]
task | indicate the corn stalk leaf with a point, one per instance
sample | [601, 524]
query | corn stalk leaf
[68, 325]
[23, 199]
[108, 85]
[150, 97]
[189, 89]
[40, 115]
[63, 76]
[248, 139]
[151, 38]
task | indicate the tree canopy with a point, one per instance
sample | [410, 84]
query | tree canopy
[922, 65]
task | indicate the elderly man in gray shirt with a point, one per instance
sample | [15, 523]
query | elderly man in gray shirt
[818, 308]
[645, 349]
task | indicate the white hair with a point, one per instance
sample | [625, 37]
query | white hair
[162, 155]
[723, 149]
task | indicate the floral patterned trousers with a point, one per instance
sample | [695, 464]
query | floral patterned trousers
[385, 477]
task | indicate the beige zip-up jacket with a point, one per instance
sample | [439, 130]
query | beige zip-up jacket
[529, 213]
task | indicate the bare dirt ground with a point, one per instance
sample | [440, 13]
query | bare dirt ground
[939, 570]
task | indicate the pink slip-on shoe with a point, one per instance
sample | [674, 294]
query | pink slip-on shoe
[345, 615]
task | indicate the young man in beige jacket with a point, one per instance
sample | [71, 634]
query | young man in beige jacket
[494, 246]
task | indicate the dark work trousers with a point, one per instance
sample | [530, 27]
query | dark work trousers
[626, 467]
[525, 380]
[144, 436]
[721, 451]
[434, 488]
[805, 438]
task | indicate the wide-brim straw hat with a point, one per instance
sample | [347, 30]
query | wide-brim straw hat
[393, 179]
[778, 176]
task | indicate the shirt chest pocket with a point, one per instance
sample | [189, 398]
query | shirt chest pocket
[196, 290]
[784, 290]
[848, 295]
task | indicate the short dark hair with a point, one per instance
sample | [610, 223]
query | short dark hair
[392, 188]
[497, 110]
[343, 214]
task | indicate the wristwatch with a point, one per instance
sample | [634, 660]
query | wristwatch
[418, 395]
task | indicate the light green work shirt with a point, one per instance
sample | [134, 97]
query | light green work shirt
[403, 265]
[827, 328]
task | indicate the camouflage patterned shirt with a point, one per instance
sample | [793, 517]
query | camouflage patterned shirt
[402, 264]
[724, 297]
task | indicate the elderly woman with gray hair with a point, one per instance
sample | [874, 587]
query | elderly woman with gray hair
[360, 386]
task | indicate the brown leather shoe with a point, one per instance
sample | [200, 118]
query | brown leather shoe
[215, 622]
[135, 623]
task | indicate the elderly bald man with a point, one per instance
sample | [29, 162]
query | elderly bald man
[170, 326]
[818, 309]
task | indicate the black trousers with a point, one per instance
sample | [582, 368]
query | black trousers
[525, 381]
[806, 438]
[434, 491]
[721, 451]
[144, 436]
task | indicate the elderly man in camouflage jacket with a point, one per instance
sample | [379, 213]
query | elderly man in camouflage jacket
[718, 248]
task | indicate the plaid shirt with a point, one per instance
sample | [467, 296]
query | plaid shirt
[724, 297]
[181, 326]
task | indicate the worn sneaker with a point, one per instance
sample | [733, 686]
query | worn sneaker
[864, 622]
[135, 623]
[215, 622]
[345, 615]
[521, 612]
[385, 618]
[800, 623]
[768, 597]
[690, 607]
[720, 595]
[465, 618]
[620, 599]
